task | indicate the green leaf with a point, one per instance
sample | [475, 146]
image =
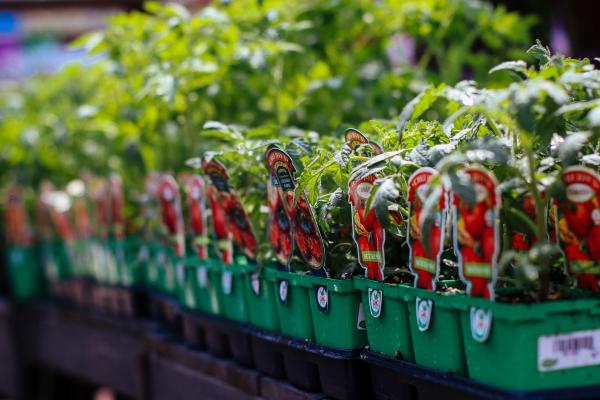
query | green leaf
[518, 68]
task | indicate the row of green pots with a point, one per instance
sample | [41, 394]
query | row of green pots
[518, 346]
[521, 346]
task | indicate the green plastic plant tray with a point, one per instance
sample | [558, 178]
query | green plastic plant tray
[261, 298]
[436, 330]
[388, 329]
[58, 264]
[335, 305]
[200, 292]
[532, 346]
[26, 277]
[231, 285]
[295, 317]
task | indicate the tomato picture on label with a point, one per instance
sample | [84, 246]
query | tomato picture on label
[424, 262]
[475, 233]
[579, 225]
[196, 196]
[172, 218]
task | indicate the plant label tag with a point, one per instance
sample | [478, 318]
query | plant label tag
[375, 297]
[281, 235]
[226, 282]
[425, 241]
[476, 232]
[202, 277]
[367, 230]
[282, 291]
[360, 321]
[117, 220]
[172, 218]
[180, 271]
[579, 225]
[568, 350]
[481, 323]
[196, 196]
[424, 308]
[322, 296]
[255, 284]
[230, 220]
[308, 239]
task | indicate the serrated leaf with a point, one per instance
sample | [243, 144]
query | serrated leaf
[540, 53]
[591, 159]
[569, 149]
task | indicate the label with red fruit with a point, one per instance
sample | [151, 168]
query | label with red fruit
[367, 230]
[476, 233]
[425, 252]
[18, 230]
[230, 220]
[306, 233]
[101, 199]
[579, 225]
[172, 218]
[282, 239]
[196, 195]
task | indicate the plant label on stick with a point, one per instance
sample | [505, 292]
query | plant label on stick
[305, 230]
[196, 196]
[579, 225]
[230, 220]
[425, 249]
[18, 230]
[476, 232]
[367, 230]
[282, 239]
[116, 206]
[168, 195]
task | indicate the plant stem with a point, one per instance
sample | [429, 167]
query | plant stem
[540, 221]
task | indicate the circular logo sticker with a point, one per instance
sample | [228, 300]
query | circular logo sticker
[255, 283]
[424, 308]
[323, 297]
[481, 323]
[375, 302]
[226, 281]
[283, 291]
[201, 277]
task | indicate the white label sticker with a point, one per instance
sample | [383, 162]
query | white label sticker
[569, 350]
[201, 276]
[226, 280]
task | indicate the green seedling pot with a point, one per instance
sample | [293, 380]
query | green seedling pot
[386, 317]
[261, 298]
[532, 346]
[436, 331]
[58, 261]
[292, 302]
[200, 292]
[26, 278]
[132, 272]
[231, 286]
[336, 315]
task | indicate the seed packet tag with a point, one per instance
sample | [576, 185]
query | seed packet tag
[255, 284]
[116, 206]
[424, 309]
[375, 297]
[230, 220]
[282, 290]
[305, 230]
[568, 350]
[282, 239]
[18, 230]
[172, 218]
[579, 225]
[424, 260]
[476, 233]
[367, 230]
[481, 323]
[322, 297]
[226, 281]
[202, 277]
[196, 196]
[361, 325]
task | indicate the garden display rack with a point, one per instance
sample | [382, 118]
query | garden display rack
[456, 238]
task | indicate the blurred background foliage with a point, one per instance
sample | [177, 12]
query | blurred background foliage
[316, 65]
